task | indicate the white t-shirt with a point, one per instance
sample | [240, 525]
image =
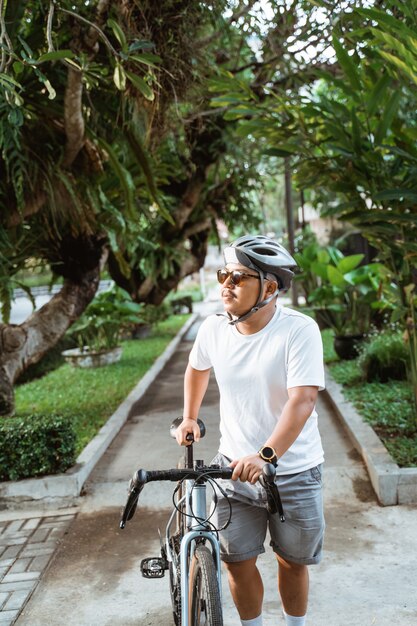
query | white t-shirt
[253, 373]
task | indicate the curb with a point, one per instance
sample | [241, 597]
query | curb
[392, 484]
[63, 490]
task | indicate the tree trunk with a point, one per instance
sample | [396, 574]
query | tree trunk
[24, 344]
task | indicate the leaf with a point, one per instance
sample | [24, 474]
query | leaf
[119, 77]
[141, 86]
[146, 58]
[141, 44]
[283, 150]
[50, 89]
[387, 19]
[349, 263]
[396, 194]
[143, 161]
[347, 64]
[9, 81]
[123, 175]
[335, 277]
[56, 55]
[387, 116]
[377, 94]
[319, 269]
[400, 64]
[118, 33]
[356, 131]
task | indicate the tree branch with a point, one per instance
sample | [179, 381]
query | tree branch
[73, 116]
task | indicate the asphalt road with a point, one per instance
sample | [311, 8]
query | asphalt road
[367, 576]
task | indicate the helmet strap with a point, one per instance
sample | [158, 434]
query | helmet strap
[259, 305]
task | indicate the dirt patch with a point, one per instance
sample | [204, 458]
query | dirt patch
[363, 490]
[113, 552]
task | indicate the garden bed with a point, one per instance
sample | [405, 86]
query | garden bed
[388, 407]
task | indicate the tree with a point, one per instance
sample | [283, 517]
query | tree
[77, 107]
[109, 149]
[351, 134]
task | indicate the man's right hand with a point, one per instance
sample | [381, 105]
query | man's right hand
[186, 427]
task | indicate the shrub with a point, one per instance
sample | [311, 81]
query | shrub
[34, 445]
[384, 357]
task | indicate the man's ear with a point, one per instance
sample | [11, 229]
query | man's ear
[271, 287]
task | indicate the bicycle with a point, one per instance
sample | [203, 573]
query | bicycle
[191, 548]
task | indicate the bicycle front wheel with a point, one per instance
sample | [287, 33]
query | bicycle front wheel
[204, 593]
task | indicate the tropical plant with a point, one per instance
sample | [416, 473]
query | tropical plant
[311, 256]
[384, 356]
[101, 325]
[348, 292]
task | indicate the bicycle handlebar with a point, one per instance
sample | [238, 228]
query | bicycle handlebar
[141, 477]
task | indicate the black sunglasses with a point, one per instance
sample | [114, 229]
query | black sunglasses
[236, 276]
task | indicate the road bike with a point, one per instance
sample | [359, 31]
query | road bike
[190, 550]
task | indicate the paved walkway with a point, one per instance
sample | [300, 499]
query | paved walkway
[366, 578]
[26, 547]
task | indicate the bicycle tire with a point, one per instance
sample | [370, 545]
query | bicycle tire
[204, 594]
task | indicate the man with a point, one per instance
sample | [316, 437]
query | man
[268, 362]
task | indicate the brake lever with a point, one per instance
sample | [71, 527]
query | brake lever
[267, 480]
[136, 485]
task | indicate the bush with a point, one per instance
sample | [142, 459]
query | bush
[34, 445]
[384, 357]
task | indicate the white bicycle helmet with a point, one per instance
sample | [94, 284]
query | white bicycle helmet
[265, 256]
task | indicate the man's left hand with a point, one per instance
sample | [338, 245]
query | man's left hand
[248, 468]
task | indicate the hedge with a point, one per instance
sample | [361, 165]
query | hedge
[35, 445]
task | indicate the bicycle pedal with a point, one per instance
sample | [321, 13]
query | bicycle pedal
[153, 567]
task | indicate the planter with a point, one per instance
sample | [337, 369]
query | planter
[141, 331]
[346, 346]
[89, 358]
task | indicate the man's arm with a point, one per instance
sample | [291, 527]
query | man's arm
[195, 387]
[297, 410]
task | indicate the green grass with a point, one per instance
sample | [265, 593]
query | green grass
[388, 407]
[90, 396]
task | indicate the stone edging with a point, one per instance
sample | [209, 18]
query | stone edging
[392, 484]
[64, 489]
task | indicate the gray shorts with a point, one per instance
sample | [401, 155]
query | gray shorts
[299, 539]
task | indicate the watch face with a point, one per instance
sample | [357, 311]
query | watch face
[268, 453]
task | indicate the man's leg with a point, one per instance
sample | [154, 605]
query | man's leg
[293, 587]
[246, 588]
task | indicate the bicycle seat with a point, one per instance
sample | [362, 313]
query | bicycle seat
[177, 422]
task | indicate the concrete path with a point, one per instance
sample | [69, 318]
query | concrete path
[367, 576]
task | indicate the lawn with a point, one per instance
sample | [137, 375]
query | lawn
[90, 396]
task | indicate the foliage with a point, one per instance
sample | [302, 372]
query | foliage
[90, 396]
[347, 291]
[389, 409]
[384, 356]
[350, 133]
[35, 445]
[101, 325]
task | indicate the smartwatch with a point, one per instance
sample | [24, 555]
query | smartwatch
[269, 455]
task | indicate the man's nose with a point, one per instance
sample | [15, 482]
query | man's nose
[228, 281]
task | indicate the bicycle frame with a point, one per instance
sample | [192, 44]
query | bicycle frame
[194, 476]
[196, 509]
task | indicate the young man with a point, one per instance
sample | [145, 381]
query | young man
[268, 363]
